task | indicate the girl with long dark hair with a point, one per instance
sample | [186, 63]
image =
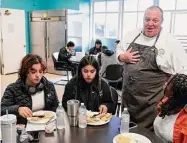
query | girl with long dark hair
[89, 88]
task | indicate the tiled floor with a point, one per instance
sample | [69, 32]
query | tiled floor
[7, 79]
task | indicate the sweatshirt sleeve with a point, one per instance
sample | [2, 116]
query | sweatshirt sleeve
[68, 94]
[107, 97]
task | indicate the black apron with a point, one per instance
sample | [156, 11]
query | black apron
[143, 85]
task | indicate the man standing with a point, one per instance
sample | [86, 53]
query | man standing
[150, 56]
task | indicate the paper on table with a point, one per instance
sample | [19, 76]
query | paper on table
[36, 127]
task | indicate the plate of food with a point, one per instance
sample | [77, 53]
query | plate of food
[42, 117]
[96, 118]
[130, 138]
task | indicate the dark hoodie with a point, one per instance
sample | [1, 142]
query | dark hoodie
[88, 95]
[94, 50]
[106, 51]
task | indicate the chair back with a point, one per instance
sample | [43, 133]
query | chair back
[114, 94]
[55, 59]
[114, 72]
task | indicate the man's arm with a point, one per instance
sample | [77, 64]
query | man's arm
[178, 57]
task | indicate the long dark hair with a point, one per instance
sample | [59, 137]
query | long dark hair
[85, 61]
[179, 98]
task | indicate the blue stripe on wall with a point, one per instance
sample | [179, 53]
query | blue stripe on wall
[27, 27]
[30, 5]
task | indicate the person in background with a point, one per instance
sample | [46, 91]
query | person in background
[97, 48]
[89, 88]
[171, 122]
[31, 92]
[65, 54]
[108, 57]
[150, 56]
[116, 44]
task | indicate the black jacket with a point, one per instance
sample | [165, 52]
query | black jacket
[108, 52]
[64, 55]
[89, 96]
[94, 51]
[17, 95]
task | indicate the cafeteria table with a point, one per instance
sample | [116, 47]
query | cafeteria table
[93, 134]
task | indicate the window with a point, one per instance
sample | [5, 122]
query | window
[99, 6]
[112, 6]
[144, 4]
[181, 4]
[140, 19]
[75, 25]
[129, 22]
[112, 25]
[130, 5]
[180, 24]
[133, 14]
[167, 21]
[167, 4]
[106, 19]
[99, 24]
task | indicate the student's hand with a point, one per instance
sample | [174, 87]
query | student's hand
[72, 53]
[130, 57]
[25, 112]
[103, 109]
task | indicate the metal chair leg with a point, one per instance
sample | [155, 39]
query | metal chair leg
[67, 75]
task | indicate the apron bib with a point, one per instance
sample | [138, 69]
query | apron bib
[143, 85]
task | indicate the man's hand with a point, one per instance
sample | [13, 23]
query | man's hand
[72, 53]
[130, 57]
[25, 112]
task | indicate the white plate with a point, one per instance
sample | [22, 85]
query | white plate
[42, 120]
[100, 122]
[137, 138]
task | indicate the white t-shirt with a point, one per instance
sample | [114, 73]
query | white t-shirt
[38, 101]
[164, 127]
[171, 55]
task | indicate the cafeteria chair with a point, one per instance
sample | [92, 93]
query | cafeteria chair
[115, 96]
[113, 74]
[60, 66]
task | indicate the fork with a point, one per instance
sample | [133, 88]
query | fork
[49, 120]
[95, 115]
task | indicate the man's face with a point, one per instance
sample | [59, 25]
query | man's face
[152, 22]
[97, 45]
[71, 48]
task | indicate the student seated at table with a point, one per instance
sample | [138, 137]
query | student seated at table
[31, 92]
[171, 122]
[65, 54]
[89, 88]
[97, 48]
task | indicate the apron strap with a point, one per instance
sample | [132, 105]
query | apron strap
[156, 39]
[136, 37]
[142, 32]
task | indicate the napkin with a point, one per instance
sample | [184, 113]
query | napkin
[37, 127]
